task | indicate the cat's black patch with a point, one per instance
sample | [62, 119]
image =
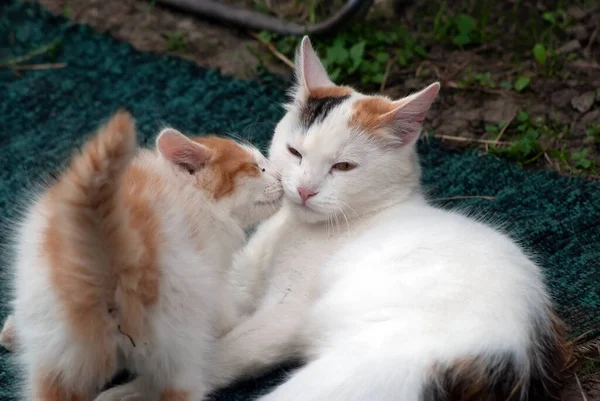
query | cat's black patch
[499, 379]
[316, 109]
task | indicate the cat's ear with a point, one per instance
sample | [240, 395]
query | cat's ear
[310, 72]
[406, 119]
[181, 150]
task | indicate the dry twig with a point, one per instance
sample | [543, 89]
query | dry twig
[32, 67]
[586, 51]
[386, 74]
[503, 129]
[580, 387]
[461, 139]
[273, 50]
[419, 69]
[12, 63]
[452, 84]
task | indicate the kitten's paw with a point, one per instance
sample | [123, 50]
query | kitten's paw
[7, 335]
[126, 392]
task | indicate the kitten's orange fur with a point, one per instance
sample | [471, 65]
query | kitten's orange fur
[102, 245]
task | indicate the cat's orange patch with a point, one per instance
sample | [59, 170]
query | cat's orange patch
[229, 163]
[369, 114]
[330, 91]
[174, 395]
[51, 390]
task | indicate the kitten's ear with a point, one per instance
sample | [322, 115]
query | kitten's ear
[310, 72]
[407, 118]
[181, 150]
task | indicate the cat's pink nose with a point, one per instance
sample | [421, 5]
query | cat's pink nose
[306, 193]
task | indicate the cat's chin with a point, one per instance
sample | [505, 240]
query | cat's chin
[306, 214]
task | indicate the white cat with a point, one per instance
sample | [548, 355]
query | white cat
[384, 296]
[122, 264]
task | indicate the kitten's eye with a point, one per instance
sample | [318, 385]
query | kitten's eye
[259, 168]
[294, 152]
[188, 167]
[343, 166]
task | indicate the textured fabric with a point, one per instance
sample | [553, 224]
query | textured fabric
[45, 114]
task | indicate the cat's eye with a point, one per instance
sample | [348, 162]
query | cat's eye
[343, 166]
[294, 152]
[260, 168]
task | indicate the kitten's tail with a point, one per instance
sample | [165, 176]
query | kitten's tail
[88, 231]
[93, 176]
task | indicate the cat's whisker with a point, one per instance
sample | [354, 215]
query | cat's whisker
[344, 204]
[330, 222]
[337, 222]
[347, 222]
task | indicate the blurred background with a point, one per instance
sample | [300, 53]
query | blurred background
[521, 79]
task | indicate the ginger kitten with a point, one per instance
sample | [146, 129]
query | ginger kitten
[122, 263]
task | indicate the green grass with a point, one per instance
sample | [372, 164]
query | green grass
[590, 366]
[360, 54]
[176, 42]
[532, 138]
[67, 11]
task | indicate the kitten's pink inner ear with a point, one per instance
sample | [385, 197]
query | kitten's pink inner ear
[181, 150]
[309, 68]
[407, 118]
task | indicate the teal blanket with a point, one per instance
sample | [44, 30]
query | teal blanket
[45, 114]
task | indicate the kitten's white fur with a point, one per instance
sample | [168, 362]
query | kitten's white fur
[177, 347]
[369, 283]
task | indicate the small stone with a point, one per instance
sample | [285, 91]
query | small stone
[561, 98]
[499, 110]
[572, 83]
[591, 117]
[569, 47]
[473, 114]
[412, 84]
[576, 12]
[578, 32]
[541, 6]
[453, 127]
[580, 127]
[583, 102]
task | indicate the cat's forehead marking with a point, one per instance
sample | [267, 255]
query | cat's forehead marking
[367, 113]
[320, 102]
[330, 91]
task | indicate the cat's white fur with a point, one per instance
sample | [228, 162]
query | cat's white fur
[176, 349]
[370, 284]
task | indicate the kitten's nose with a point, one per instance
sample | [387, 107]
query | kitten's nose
[306, 193]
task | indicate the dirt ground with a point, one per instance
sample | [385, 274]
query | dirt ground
[563, 106]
